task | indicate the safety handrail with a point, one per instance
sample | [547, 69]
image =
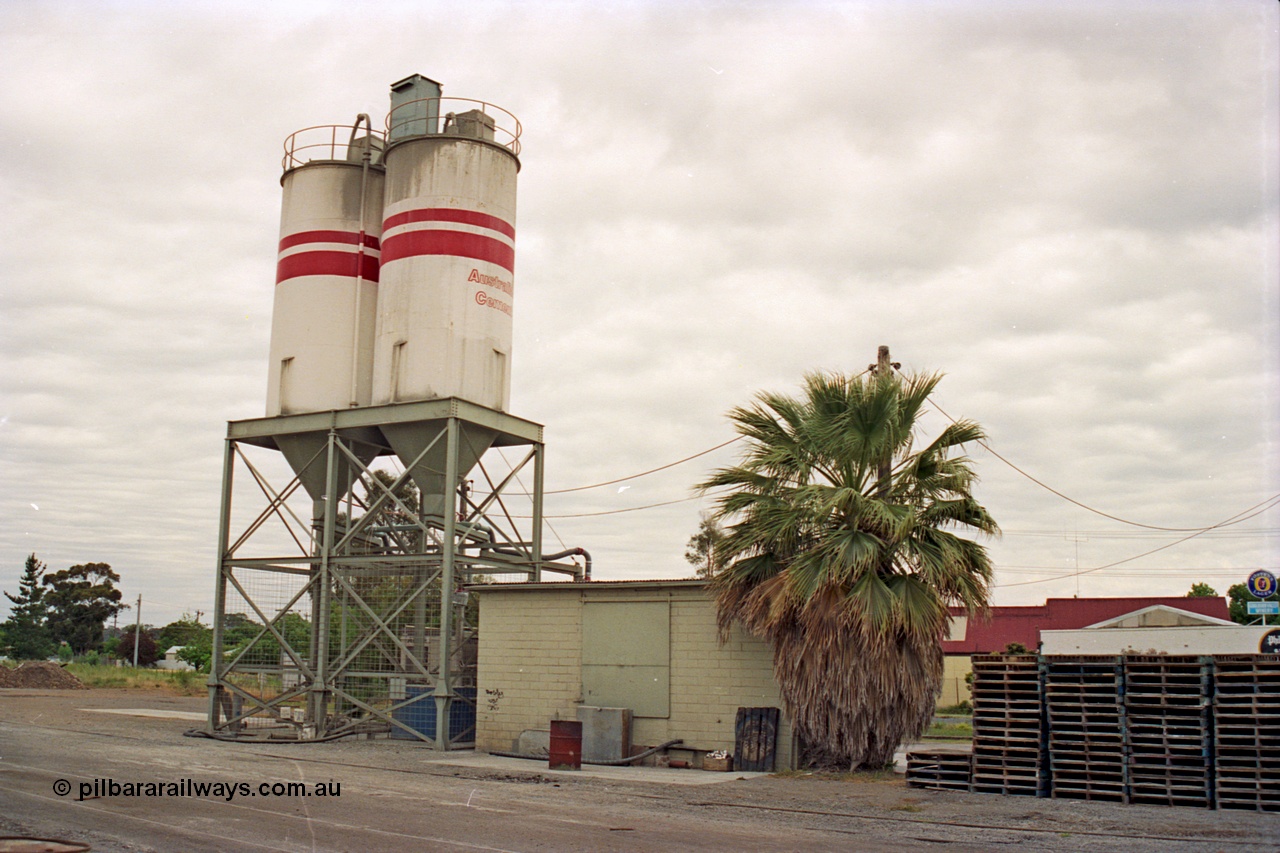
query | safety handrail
[439, 116]
[327, 142]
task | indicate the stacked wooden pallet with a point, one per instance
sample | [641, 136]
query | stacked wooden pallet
[1246, 709]
[1170, 733]
[1084, 702]
[1008, 726]
[939, 769]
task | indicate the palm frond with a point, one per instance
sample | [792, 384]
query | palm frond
[846, 573]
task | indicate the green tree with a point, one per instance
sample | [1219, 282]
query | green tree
[238, 629]
[391, 528]
[180, 632]
[26, 632]
[81, 599]
[842, 552]
[1201, 590]
[1238, 598]
[701, 550]
[267, 651]
[147, 651]
[198, 652]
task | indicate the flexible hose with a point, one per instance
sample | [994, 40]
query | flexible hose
[614, 762]
[237, 739]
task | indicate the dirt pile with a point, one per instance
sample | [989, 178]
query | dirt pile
[39, 675]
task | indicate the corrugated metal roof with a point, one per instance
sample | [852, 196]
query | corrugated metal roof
[1024, 624]
[517, 586]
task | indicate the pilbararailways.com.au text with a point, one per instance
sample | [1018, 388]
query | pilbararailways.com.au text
[99, 788]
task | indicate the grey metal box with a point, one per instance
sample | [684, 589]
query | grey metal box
[606, 733]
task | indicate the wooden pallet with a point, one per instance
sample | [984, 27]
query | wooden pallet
[940, 770]
[1008, 726]
[1086, 731]
[1169, 729]
[1246, 707]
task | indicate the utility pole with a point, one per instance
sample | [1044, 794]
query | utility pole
[1077, 538]
[882, 368]
[137, 633]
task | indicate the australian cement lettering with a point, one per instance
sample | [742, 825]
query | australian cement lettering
[483, 298]
[500, 283]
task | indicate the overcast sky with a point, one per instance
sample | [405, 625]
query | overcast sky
[1068, 208]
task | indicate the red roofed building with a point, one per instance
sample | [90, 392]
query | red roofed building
[977, 636]
[1005, 625]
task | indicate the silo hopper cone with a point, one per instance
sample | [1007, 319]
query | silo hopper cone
[305, 453]
[409, 440]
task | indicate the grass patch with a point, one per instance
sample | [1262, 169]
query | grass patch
[949, 730]
[792, 774]
[907, 806]
[127, 678]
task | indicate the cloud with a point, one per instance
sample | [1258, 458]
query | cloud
[1071, 210]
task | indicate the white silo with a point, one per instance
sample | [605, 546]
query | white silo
[446, 294]
[324, 316]
[391, 337]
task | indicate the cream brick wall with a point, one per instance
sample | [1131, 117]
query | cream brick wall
[530, 667]
[954, 688]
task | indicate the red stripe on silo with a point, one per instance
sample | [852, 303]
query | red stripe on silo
[326, 263]
[351, 237]
[450, 214]
[459, 243]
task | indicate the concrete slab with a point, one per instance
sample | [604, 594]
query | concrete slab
[148, 712]
[656, 775]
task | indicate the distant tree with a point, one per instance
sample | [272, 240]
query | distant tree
[185, 630]
[147, 652]
[391, 527]
[239, 631]
[1201, 590]
[81, 599]
[1238, 598]
[701, 550]
[193, 639]
[198, 652]
[26, 632]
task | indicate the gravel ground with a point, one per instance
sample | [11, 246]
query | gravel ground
[397, 795]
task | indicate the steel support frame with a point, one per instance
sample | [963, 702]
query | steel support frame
[449, 547]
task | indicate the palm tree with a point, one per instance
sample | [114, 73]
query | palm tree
[842, 551]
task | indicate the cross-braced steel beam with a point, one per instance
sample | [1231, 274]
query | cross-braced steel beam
[353, 623]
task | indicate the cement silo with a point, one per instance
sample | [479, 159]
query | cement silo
[325, 305]
[446, 294]
[389, 368]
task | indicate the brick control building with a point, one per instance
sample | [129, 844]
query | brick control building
[650, 646]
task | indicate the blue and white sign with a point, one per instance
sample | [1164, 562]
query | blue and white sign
[1263, 608]
[1262, 584]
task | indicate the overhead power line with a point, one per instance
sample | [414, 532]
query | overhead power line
[1136, 535]
[1243, 515]
[1144, 573]
[643, 473]
[1085, 506]
[1154, 527]
[627, 509]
